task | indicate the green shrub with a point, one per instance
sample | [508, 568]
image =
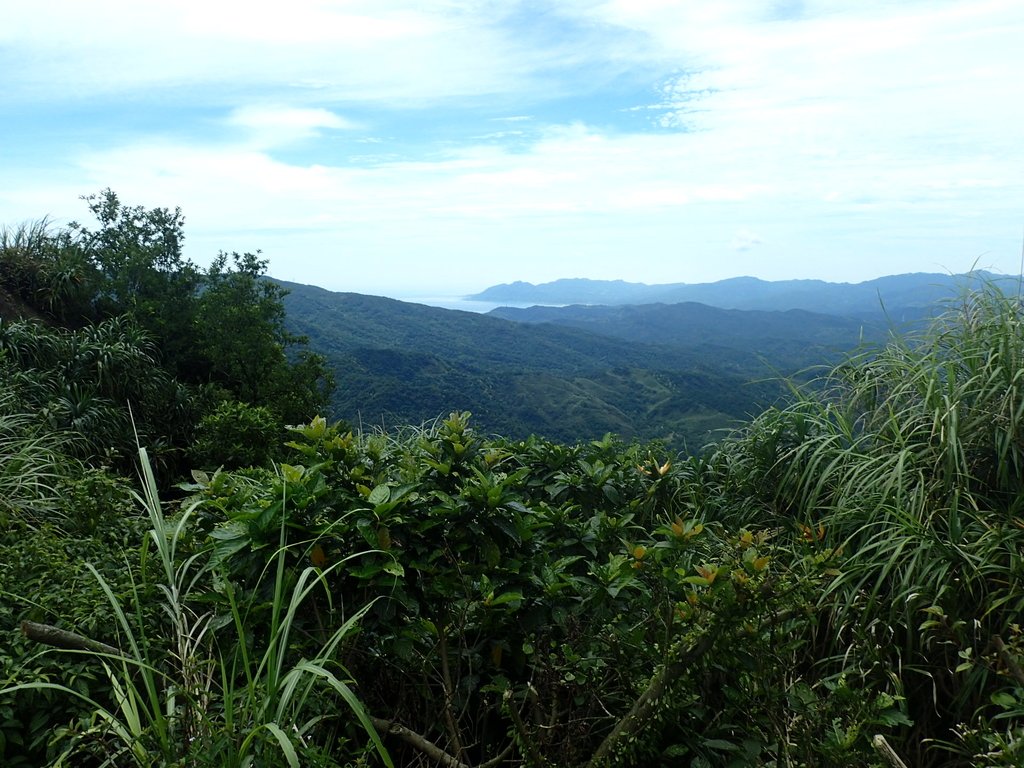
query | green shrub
[236, 435]
[208, 677]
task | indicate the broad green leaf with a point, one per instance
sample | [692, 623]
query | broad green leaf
[1003, 699]
[380, 495]
[502, 599]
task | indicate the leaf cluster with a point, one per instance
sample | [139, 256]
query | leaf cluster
[99, 320]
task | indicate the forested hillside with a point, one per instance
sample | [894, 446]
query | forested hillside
[837, 583]
[784, 341]
[682, 374]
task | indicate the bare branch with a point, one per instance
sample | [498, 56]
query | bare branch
[882, 747]
[419, 742]
[62, 638]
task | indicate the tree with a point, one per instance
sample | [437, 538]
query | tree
[224, 326]
[139, 270]
[140, 313]
[241, 335]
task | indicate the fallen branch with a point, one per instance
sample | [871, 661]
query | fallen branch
[62, 638]
[882, 747]
[427, 747]
[638, 714]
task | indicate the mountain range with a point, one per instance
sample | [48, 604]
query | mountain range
[903, 297]
[677, 371]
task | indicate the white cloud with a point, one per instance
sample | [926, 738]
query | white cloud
[303, 22]
[373, 51]
[744, 240]
[883, 135]
[271, 126]
[575, 201]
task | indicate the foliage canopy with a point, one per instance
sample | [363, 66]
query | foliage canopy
[115, 317]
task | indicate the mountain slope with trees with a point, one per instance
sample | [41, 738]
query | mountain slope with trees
[399, 363]
[786, 341]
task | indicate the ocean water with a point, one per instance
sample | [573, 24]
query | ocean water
[457, 302]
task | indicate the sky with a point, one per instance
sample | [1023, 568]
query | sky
[437, 147]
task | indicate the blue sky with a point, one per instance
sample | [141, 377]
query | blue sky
[437, 147]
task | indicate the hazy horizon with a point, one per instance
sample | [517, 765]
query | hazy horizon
[393, 147]
[464, 301]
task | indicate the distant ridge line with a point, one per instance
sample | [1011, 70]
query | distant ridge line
[919, 289]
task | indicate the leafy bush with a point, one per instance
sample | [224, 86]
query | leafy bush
[236, 435]
[199, 684]
[569, 604]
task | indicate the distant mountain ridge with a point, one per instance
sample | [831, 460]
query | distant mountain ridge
[399, 363]
[906, 292]
[676, 371]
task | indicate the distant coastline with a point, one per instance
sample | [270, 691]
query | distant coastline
[467, 305]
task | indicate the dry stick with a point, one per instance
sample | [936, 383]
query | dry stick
[524, 738]
[882, 747]
[429, 748]
[449, 694]
[637, 716]
[422, 744]
[62, 638]
[499, 758]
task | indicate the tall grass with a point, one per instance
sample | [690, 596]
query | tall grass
[910, 460]
[206, 687]
[32, 465]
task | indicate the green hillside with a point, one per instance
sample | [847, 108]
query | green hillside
[398, 363]
[788, 341]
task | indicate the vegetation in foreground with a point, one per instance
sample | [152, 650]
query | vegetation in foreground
[839, 577]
